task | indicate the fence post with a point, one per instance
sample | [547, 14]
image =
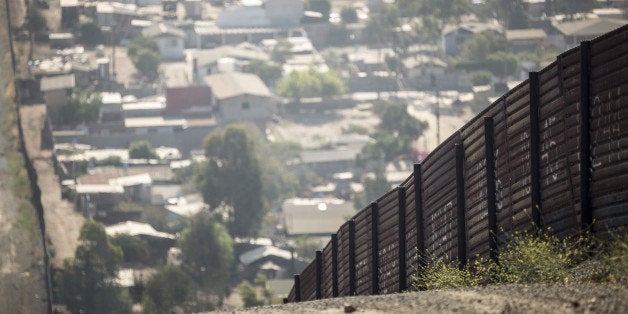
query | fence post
[297, 288]
[334, 265]
[418, 214]
[491, 196]
[375, 248]
[285, 300]
[319, 275]
[462, 237]
[352, 257]
[535, 152]
[586, 211]
[401, 199]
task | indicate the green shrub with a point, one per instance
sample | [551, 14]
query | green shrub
[527, 258]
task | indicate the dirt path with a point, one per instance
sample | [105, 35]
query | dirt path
[570, 298]
[62, 222]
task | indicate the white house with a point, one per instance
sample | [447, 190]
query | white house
[201, 63]
[169, 39]
[258, 13]
[241, 97]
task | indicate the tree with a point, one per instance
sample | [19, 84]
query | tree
[374, 187]
[167, 289]
[83, 106]
[321, 6]
[91, 35]
[144, 54]
[87, 284]
[141, 150]
[306, 247]
[395, 134]
[147, 63]
[481, 77]
[281, 51]
[269, 73]
[510, 12]
[349, 15]
[141, 43]
[248, 293]
[35, 21]
[207, 251]
[482, 44]
[134, 249]
[232, 177]
[310, 83]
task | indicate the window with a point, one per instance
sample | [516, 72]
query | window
[246, 105]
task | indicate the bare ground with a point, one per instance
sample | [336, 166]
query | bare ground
[538, 298]
[63, 223]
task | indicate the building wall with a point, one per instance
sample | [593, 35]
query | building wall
[259, 108]
[170, 47]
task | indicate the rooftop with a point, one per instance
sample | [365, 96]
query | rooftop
[525, 34]
[316, 216]
[256, 254]
[135, 228]
[590, 27]
[51, 83]
[162, 29]
[231, 84]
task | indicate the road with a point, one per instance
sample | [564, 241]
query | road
[63, 223]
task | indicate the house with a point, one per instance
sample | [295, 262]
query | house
[424, 66]
[186, 206]
[268, 260]
[209, 35]
[241, 97]
[143, 109]
[56, 90]
[454, 36]
[190, 100]
[115, 14]
[258, 13]
[170, 40]
[526, 39]
[158, 242]
[573, 32]
[111, 109]
[201, 63]
[133, 183]
[315, 216]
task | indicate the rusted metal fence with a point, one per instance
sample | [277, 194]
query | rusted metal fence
[550, 153]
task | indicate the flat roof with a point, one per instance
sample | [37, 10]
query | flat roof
[316, 216]
[145, 122]
[144, 105]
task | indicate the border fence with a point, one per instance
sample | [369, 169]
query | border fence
[550, 153]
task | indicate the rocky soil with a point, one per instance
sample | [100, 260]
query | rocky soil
[537, 298]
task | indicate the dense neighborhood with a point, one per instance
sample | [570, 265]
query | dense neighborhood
[217, 144]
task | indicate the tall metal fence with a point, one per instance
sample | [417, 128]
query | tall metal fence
[550, 153]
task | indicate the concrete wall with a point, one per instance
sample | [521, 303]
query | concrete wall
[260, 108]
